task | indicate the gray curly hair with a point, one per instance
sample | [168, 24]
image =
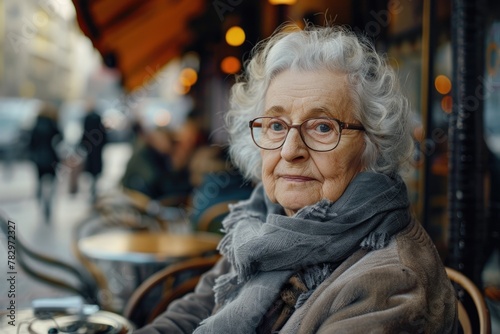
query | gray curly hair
[379, 104]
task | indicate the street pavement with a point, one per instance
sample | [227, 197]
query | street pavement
[53, 238]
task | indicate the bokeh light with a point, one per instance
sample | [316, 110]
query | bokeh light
[442, 84]
[230, 65]
[188, 76]
[282, 2]
[235, 36]
[181, 89]
[447, 103]
[162, 118]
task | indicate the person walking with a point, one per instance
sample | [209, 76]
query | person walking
[44, 137]
[93, 140]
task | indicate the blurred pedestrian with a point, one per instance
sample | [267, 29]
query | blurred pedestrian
[45, 135]
[152, 172]
[93, 140]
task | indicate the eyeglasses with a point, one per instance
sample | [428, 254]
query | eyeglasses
[319, 134]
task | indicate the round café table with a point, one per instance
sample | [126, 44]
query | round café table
[147, 247]
[121, 260]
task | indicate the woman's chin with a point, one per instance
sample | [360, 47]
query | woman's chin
[291, 205]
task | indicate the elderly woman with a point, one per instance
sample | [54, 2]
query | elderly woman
[326, 243]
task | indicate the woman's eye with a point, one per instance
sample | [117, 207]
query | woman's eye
[276, 126]
[323, 127]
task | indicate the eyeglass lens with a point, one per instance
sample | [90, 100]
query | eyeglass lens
[319, 134]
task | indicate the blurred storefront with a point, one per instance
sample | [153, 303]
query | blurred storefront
[489, 90]
[44, 55]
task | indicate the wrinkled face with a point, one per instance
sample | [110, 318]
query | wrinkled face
[294, 175]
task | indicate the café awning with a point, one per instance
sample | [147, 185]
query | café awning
[138, 37]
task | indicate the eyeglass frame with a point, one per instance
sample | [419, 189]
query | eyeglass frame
[342, 126]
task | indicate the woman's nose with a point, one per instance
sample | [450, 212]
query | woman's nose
[293, 147]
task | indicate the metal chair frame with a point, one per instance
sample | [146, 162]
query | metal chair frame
[39, 266]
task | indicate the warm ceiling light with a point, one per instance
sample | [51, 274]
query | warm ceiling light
[235, 36]
[282, 2]
[188, 76]
[442, 84]
[230, 65]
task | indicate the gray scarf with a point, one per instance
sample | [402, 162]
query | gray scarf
[265, 247]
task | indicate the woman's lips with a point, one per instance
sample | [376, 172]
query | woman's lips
[296, 178]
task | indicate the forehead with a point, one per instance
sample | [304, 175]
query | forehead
[308, 94]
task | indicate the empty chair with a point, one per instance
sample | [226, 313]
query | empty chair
[48, 269]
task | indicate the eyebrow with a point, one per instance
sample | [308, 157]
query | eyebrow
[274, 110]
[322, 111]
[314, 112]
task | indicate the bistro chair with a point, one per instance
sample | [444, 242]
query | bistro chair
[154, 295]
[211, 219]
[479, 302]
[47, 269]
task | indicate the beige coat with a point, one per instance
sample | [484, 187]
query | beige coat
[402, 288]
